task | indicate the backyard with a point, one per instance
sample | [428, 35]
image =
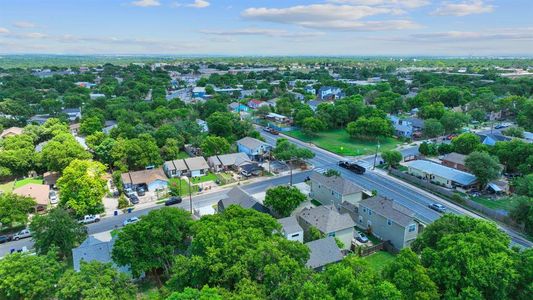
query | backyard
[379, 260]
[339, 141]
[10, 186]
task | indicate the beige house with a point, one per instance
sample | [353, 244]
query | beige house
[334, 190]
[39, 192]
[11, 131]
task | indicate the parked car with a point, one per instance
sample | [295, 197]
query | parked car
[24, 233]
[173, 200]
[87, 219]
[246, 173]
[130, 221]
[4, 239]
[362, 238]
[438, 207]
[141, 192]
[134, 199]
[501, 126]
[352, 167]
[53, 197]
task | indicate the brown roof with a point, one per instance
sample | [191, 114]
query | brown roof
[39, 192]
[11, 131]
[50, 178]
[455, 158]
[144, 176]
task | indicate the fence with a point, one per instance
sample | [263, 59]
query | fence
[427, 185]
[366, 251]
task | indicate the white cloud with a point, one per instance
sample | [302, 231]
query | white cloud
[460, 36]
[464, 8]
[3, 30]
[397, 3]
[24, 24]
[146, 3]
[199, 4]
[330, 16]
[262, 32]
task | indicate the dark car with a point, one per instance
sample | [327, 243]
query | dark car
[499, 126]
[173, 200]
[4, 239]
[438, 207]
[352, 167]
[141, 192]
[134, 199]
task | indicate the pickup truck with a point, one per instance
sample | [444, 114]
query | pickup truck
[90, 219]
[24, 233]
[352, 167]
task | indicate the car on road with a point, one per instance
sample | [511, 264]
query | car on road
[24, 233]
[173, 200]
[352, 166]
[53, 197]
[4, 239]
[438, 207]
[362, 238]
[271, 130]
[141, 192]
[130, 221]
[134, 199]
[87, 219]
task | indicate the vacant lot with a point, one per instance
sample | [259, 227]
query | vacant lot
[338, 141]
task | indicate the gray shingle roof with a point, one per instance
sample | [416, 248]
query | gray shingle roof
[389, 209]
[234, 159]
[336, 183]
[96, 247]
[237, 196]
[290, 225]
[177, 164]
[196, 163]
[323, 252]
[326, 218]
[426, 166]
[251, 143]
[455, 157]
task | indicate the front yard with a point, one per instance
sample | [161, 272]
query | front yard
[208, 177]
[503, 204]
[339, 141]
[379, 260]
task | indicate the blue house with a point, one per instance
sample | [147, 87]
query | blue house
[198, 92]
[254, 148]
[491, 139]
[310, 89]
[402, 128]
[330, 93]
[238, 107]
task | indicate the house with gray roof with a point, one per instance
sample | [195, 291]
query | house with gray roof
[233, 161]
[237, 196]
[291, 229]
[197, 166]
[334, 190]
[440, 175]
[254, 148]
[389, 221]
[492, 139]
[328, 221]
[175, 168]
[323, 252]
[97, 247]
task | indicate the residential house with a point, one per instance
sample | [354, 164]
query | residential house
[255, 104]
[254, 148]
[97, 247]
[203, 125]
[232, 161]
[334, 190]
[389, 221]
[199, 92]
[492, 139]
[277, 118]
[328, 221]
[74, 128]
[330, 93]
[416, 123]
[297, 96]
[108, 126]
[238, 107]
[39, 192]
[175, 168]
[313, 104]
[440, 175]
[73, 114]
[528, 136]
[454, 160]
[11, 131]
[402, 128]
[291, 229]
[323, 252]
[50, 178]
[153, 179]
[310, 89]
[237, 196]
[197, 166]
[94, 96]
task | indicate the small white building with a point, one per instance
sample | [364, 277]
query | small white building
[291, 229]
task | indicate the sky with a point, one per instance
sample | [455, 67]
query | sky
[257, 27]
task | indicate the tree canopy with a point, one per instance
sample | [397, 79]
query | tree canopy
[284, 199]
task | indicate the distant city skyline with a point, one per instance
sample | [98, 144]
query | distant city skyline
[218, 27]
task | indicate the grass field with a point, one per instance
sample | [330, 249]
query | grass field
[338, 141]
[379, 260]
[506, 204]
[208, 177]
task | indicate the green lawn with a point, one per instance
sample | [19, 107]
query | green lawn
[338, 141]
[184, 186]
[379, 259]
[182, 155]
[225, 178]
[23, 182]
[505, 204]
[208, 177]
[7, 187]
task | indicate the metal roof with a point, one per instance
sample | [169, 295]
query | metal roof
[451, 174]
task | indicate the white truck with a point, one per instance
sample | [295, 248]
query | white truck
[90, 219]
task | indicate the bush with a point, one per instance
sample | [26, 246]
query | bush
[123, 202]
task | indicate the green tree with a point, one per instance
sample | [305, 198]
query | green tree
[150, 244]
[57, 230]
[91, 125]
[524, 286]
[171, 149]
[284, 199]
[432, 111]
[525, 115]
[95, 280]
[331, 173]
[392, 157]
[524, 185]
[428, 149]
[215, 145]
[484, 166]
[311, 126]
[206, 293]
[516, 155]
[514, 132]
[14, 209]
[17, 155]
[466, 143]
[453, 121]
[522, 213]
[221, 124]
[82, 187]
[410, 277]
[25, 276]
[370, 128]
[60, 151]
[433, 128]
[285, 150]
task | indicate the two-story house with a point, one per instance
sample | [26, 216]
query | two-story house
[330, 93]
[254, 148]
[334, 190]
[388, 221]
[330, 222]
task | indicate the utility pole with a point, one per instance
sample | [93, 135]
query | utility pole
[190, 195]
[376, 155]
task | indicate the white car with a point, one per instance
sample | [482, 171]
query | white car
[130, 221]
[24, 233]
[53, 197]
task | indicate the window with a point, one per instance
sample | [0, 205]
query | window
[361, 219]
[412, 227]
[331, 234]
[295, 235]
[389, 222]
[364, 209]
[368, 223]
[369, 212]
